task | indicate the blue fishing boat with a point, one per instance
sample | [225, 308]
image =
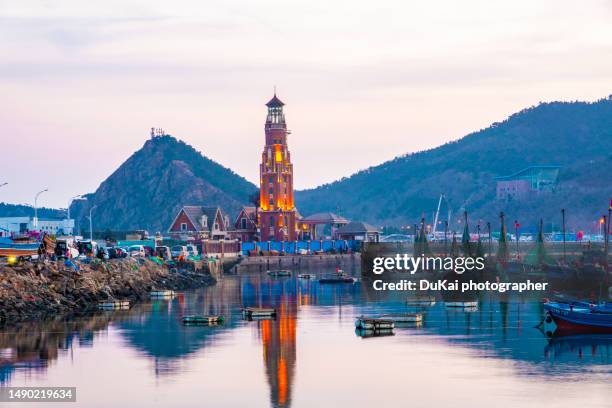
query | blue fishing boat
[578, 317]
[18, 248]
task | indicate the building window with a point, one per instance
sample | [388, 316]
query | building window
[243, 223]
[183, 226]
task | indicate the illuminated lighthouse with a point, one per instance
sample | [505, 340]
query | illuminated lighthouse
[277, 218]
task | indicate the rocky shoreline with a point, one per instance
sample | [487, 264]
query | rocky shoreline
[38, 290]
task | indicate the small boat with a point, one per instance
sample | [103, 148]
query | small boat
[577, 317]
[307, 276]
[374, 323]
[469, 304]
[403, 317]
[203, 320]
[115, 304]
[364, 333]
[255, 312]
[337, 279]
[18, 248]
[279, 273]
[421, 300]
[162, 293]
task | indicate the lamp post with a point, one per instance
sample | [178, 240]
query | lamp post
[91, 223]
[516, 231]
[68, 211]
[490, 238]
[563, 226]
[70, 203]
[36, 206]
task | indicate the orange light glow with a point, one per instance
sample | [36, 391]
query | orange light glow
[278, 155]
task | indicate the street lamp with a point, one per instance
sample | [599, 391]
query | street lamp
[70, 203]
[36, 207]
[68, 210]
[91, 223]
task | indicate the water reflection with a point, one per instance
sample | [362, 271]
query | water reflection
[317, 317]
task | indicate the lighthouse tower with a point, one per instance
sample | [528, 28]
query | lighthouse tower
[277, 218]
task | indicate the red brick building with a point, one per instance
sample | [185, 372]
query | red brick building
[277, 214]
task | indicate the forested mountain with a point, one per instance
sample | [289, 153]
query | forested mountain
[148, 189]
[574, 135]
[22, 210]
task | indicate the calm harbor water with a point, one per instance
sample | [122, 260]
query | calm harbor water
[310, 356]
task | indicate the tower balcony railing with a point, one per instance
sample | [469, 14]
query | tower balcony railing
[276, 126]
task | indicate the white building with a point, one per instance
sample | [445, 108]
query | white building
[19, 225]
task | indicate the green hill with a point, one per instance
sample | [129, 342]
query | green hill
[576, 136]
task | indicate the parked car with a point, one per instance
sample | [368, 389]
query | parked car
[192, 250]
[179, 250]
[137, 251]
[66, 248]
[163, 252]
[116, 252]
[87, 248]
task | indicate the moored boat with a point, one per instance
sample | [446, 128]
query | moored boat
[307, 276]
[403, 317]
[114, 304]
[470, 304]
[162, 293]
[577, 317]
[18, 248]
[203, 320]
[279, 273]
[337, 279]
[368, 323]
[258, 312]
[421, 300]
[364, 333]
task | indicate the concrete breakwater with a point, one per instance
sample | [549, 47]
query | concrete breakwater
[35, 290]
[264, 263]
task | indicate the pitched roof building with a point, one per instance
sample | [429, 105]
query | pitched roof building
[199, 222]
[245, 225]
[358, 231]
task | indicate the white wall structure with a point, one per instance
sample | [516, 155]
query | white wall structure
[17, 225]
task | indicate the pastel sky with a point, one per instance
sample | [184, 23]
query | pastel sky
[81, 82]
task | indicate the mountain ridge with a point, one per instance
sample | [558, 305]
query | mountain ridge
[160, 178]
[523, 139]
